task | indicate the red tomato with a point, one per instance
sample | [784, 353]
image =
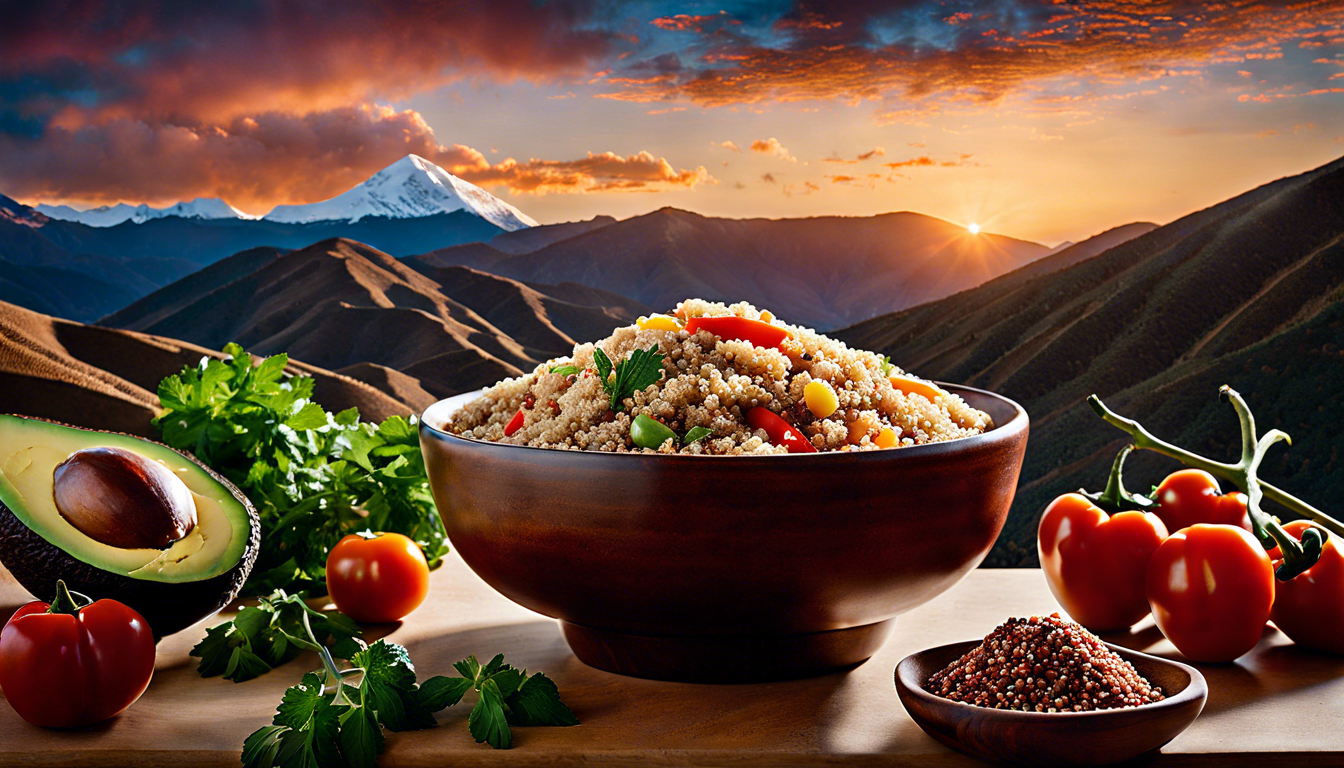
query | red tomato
[779, 430]
[1310, 607]
[1211, 588]
[1096, 563]
[1190, 496]
[76, 666]
[758, 333]
[377, 580]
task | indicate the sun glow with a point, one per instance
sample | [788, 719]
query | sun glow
[974, 229]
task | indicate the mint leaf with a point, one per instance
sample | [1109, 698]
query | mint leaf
[487, 722]
[696, 434]
[537, 702]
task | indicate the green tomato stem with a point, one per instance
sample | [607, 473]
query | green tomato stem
[1115, 498]
[65, 602]
[328, 662]
[1244, 475]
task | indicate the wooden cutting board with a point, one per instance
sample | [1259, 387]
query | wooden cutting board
[1279, 699]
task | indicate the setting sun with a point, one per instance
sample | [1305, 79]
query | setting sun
[974, 229]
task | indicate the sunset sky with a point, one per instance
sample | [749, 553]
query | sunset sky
[1042, 120]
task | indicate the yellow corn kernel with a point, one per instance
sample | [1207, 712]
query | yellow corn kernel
[659, 323]
[766, 316]
[820, 399]
[886, 438]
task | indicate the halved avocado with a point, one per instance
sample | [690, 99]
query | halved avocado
[179, 578]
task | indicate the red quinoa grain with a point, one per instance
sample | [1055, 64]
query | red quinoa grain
[1043, 664]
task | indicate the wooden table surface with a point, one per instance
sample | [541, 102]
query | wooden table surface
[1278, 699]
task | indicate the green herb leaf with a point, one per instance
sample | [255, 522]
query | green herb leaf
[264, 636]
[537, 702]
[487, 722]
[312, 477]
[441, 692]
[642, 368]
[389, 687]
[696, 434]
[565, 370]
[361, 739]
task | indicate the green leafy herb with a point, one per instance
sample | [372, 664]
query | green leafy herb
[274, 631]
[565, 370]
[508, 697]
[642, 368]
[327, 721]
[313, 476]
[695, 434]
[885, 362]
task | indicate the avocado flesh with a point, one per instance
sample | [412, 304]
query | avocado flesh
[173, 588]
[29, 453]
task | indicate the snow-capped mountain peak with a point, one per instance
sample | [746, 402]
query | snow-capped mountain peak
[409, 188]
[112, 215]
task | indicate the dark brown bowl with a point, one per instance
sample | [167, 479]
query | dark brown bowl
[725, 568]
[1055, 738]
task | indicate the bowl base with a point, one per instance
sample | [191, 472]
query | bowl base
[725, 658]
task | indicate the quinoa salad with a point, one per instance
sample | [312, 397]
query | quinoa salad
[719, 380]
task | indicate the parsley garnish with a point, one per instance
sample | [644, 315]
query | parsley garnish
[642, 368]
[335, 718]
[274, 631]
[313, 476]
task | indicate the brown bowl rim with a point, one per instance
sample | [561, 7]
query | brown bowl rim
[997, 434]
[1197, 690]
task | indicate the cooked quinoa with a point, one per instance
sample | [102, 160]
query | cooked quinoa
[713, 382]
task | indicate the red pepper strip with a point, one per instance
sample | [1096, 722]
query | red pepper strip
[515, 424]
[758, 333]
[779, 430]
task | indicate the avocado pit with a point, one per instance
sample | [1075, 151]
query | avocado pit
[122, 499]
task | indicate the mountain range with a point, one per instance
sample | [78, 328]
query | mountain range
[824, 272]
[85, 264]
[346, 306]
[1249, 293]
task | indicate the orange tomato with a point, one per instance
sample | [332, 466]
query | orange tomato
[379, 579]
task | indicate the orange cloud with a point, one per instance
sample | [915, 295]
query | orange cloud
[258, 161]
[683, 22]
[771, 146]
[831, 55]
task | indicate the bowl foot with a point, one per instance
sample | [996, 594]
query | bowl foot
[725, 658]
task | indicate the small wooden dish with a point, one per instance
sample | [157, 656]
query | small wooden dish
[1064, 738]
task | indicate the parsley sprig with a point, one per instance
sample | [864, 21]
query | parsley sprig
[313, 476]
[261, 637]
[334, 718]
[642, 368]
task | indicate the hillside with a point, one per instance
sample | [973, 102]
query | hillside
[825, 272]
[1247, 292]
[349, 307]
[107, 379]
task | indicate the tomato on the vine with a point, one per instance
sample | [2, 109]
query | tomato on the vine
[1309, 608]
[1096, 563]
[377, 579]
[1211, 588]
[65, 664]
[1191, 496]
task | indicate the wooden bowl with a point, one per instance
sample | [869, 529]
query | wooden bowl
[1062, 738]
[725, 568]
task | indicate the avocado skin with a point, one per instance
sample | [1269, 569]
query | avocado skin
[168, 607]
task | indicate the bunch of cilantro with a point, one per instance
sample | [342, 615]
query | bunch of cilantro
[313, 476]
[335, 718]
